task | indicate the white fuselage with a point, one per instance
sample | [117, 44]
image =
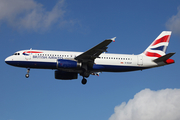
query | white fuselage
[106, 62]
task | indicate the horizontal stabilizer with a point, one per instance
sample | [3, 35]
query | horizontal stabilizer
[164, 58]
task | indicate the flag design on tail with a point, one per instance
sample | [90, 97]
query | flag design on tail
[159, 45]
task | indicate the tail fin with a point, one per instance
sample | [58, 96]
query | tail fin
[159, 45]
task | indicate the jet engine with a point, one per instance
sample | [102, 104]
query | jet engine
[65, 75]
[63, 63]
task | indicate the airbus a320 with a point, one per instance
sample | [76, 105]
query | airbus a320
[68, 65]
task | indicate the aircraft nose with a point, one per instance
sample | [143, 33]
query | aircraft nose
[7, 60]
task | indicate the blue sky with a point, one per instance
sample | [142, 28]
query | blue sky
[77, 26]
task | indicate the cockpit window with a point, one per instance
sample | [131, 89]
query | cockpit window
[16, 53]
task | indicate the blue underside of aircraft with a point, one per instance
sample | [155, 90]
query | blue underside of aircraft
[53, 65]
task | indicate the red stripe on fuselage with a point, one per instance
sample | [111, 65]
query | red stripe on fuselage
[32, 52]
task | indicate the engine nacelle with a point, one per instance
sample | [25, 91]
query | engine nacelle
[62, 63]
[65, 75]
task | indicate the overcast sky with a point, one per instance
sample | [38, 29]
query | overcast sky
[69, 25]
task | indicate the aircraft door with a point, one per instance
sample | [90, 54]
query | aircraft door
[27, 55]
[139, 60]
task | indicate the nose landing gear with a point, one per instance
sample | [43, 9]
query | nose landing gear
[27, 75]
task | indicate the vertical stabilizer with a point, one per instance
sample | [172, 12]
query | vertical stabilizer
[159, 45]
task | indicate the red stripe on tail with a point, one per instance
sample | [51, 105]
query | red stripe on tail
[150, 54]
[163, 39]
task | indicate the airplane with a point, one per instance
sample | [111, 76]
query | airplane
[68, 65]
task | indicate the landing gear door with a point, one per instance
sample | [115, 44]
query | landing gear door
[139, 60]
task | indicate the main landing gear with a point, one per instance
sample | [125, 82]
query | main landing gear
[84, 74]
[84, 81]
[27, 75]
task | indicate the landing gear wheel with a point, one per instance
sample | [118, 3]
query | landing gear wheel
[27, 75]
[84, 81]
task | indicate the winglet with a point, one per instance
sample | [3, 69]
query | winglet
[113, 39]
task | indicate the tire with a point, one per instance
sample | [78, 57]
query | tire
[27, 75]
[84, 81]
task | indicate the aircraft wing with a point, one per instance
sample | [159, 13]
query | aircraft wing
[94, 52]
